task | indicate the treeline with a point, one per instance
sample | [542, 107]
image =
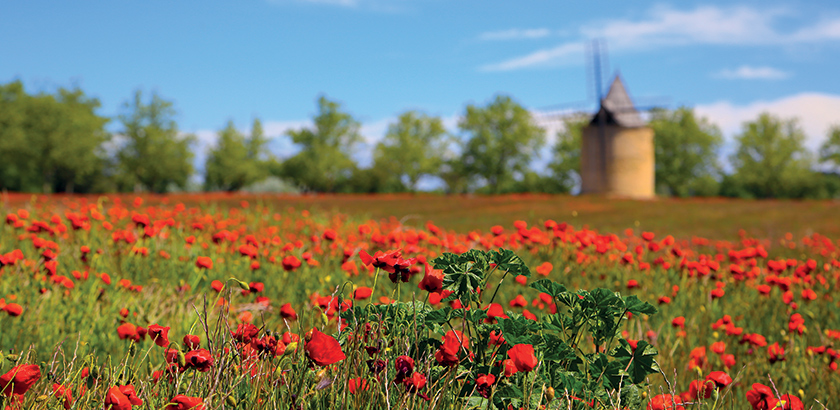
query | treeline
[59, 143]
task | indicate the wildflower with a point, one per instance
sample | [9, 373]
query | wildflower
[181, 402]
[19, 379]
[523, 357]
[323, 349]
[204, 262]
[199, 359]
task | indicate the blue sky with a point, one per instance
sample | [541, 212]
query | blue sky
[225, 60]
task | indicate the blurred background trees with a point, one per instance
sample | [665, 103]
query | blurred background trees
[151, 154]
[59, 142]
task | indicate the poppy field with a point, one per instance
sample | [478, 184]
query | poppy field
[128, 303]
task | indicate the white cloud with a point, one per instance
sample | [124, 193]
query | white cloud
[745, 72]
[563, 53]
[666, 27]
[816, 113]
[515, 34]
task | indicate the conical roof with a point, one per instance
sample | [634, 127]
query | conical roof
[619, 107]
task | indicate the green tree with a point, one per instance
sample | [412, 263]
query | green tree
[830, 149]
[16, 170]
[153, 156]
[686, 150]
[502, 140]
[771, 160]
[324, 161]
[236, 161]
[565, 158]
[412, 148]
[50, 142]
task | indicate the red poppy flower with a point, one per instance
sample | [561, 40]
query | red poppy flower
[200, 360]
[362, 293]
[122, 398]
[128, 331]
[453, 341]
[483, 384]
[159, 334]
[357, 384]
[510, 367]
[787, 402]
[19, 379]
[288, 312]
[721, 379]
[204, 262]
[181, 402]
[62, 392]
[13, 309]
[665, 402]
[759, 395]
[432, 280]
[523, 357]
[494, 311]
[416, 382]
[776, 353]
[404, 365]
[291, 263]
[192, 341]
[323, 349]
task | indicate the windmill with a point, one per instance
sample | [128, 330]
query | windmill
[617, 155]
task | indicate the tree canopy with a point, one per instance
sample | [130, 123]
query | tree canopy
[324, 160]
[153, 156]
[49, 142]
[502, 140]
[236, 161]
[771, 160]
[413, 147]
[686, 150]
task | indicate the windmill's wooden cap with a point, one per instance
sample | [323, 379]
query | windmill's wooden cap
[618, 108]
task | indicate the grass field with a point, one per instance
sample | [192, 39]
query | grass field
[210, 301]
[714, 218]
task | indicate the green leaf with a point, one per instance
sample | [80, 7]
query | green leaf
[556, 349]
[551, 287]
[637, 307]
[507, 260]
[439, 316]
[509, 391]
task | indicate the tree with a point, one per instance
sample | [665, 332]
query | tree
[50, 142]
[565, 159]
[771, 160]
[324, 161]
[235, 160]
[153, 155]
[686, 150]
[830, 149]
[412, 148]
[503, 139]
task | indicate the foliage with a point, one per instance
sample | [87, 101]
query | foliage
[771, 160]
[324, 160]
[49, 142]
[152, 156]
[565, 163]
[412, 148]
[686, 150]
[236, 161]
[830, 149]
[219, 301]
[502, 140]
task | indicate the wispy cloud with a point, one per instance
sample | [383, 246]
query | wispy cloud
[666, 27]
[557, 55]
[515, 34]
[746, 72]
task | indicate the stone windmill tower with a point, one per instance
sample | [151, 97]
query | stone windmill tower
[617, 157]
